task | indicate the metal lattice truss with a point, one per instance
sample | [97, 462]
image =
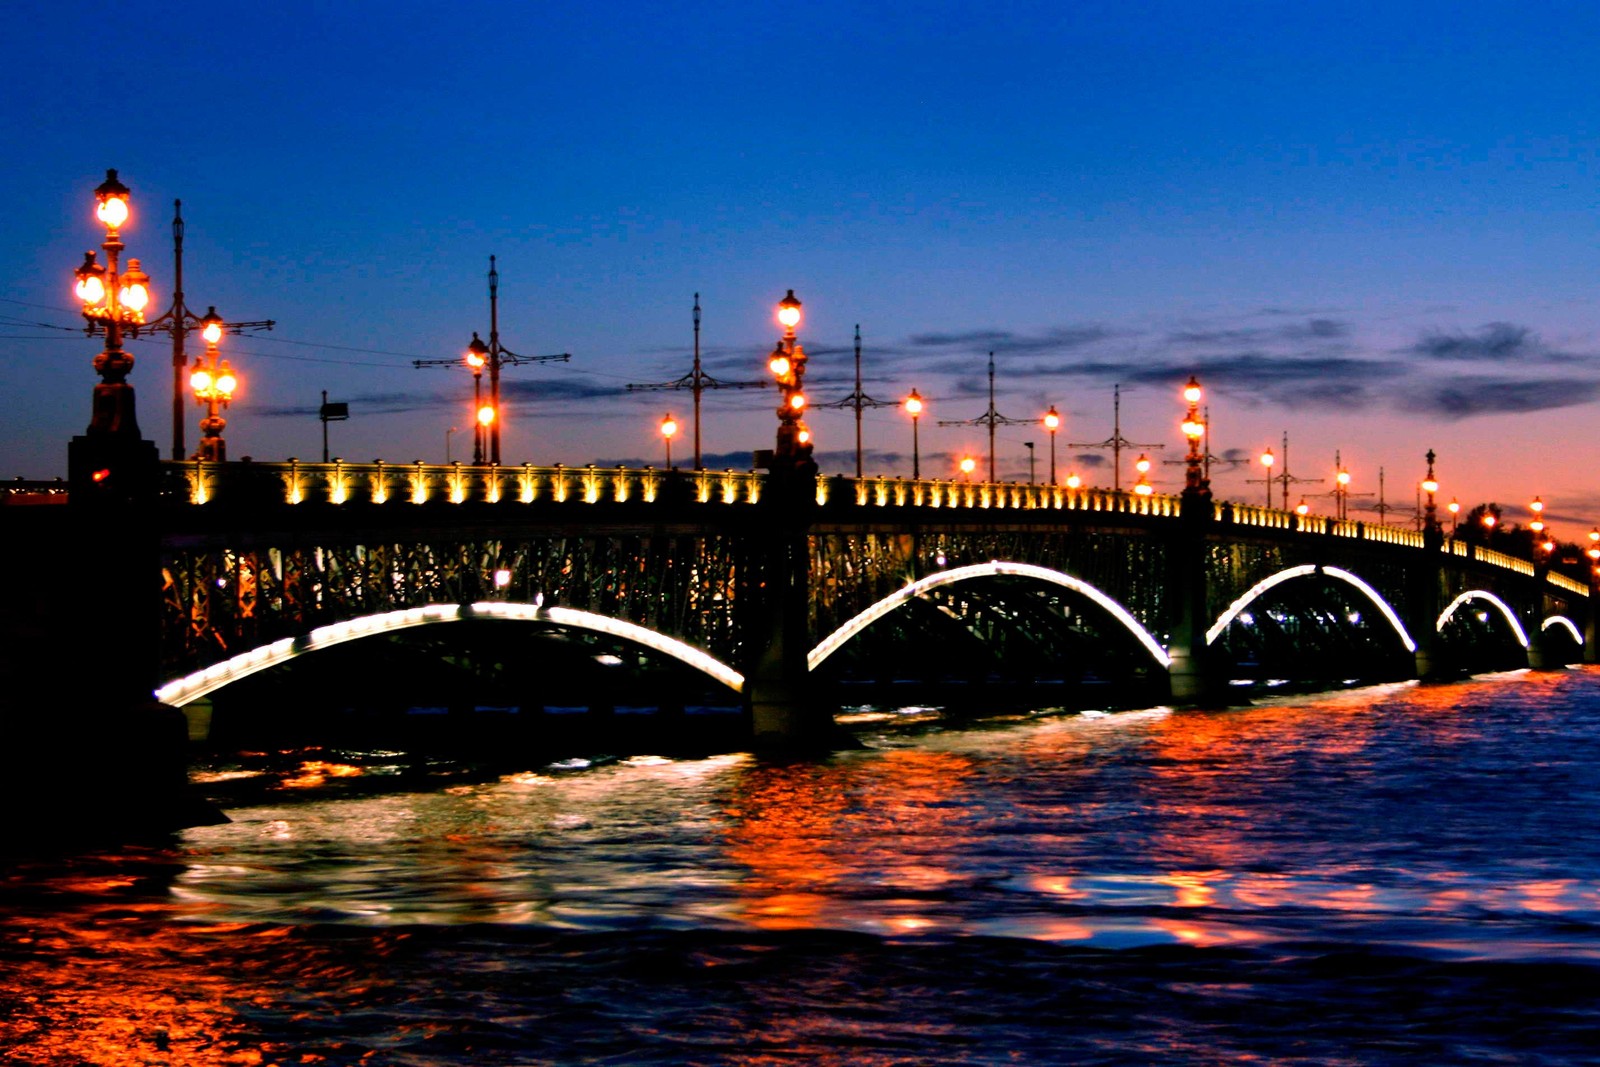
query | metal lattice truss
[851, 571]
[223, 601]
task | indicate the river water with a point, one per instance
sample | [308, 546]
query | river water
[1401, 874]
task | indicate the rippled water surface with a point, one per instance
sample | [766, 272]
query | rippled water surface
[1407, 874]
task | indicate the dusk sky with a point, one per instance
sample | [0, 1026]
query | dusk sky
[1371, 226]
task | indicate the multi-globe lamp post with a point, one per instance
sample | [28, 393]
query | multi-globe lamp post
[1142, 487]
[114, 299]
[1430, 487]
[1194, 429]
[476, 358]
[788, 365]
[1542, 542]
[213, 384]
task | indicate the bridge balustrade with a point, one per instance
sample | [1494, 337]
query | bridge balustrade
[1016, 496]
[1500, 559]
[338, 482]
[1561, 581]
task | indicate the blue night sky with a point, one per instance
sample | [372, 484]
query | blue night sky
[1371, 226]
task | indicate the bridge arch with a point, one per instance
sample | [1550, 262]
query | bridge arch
[1266, 584]
[1504, 609]
[1566, 624]
[834, 641]
[192, 687]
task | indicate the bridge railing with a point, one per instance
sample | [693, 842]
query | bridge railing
[1016, 496]
[1561, 581]
[338, 482]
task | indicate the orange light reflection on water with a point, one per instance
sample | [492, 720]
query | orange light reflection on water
[801, 831]
[109, 978]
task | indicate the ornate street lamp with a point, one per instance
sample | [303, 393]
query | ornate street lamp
[1454, 508]
[788, 365]
[1194, 428]
[213, 384]
[1052, 423]
[476, 358]
[669, 428]
[968, 465]
[1537, 507]
[1430, 486]
[1302, 509]
[1341, 493]
[115, 301]
[1073, 481]
[1267, 460]
[913, 407]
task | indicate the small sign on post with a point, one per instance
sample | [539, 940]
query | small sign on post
[337, 412]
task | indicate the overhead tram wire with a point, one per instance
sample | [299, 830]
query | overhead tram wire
[696, 381]
[858, 400]
[495, 355]
[990, 418]
[1116, 442]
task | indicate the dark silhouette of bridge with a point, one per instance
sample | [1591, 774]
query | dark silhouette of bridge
[264, 562]
[786, 594]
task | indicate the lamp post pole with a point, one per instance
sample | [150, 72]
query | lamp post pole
[1052, 423]
[788, 365]
[476, 358]
[669, 427]
[1191, 673]
[1430, 513]
[213, 386]
[1194, 478]
[112, 299]
[129, 751]
[785, 707]
[913, 407]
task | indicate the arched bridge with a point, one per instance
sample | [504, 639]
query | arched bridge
[771, 586]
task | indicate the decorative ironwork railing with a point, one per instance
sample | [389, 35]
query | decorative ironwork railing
[293, 482]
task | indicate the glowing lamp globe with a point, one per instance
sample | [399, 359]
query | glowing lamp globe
[789, 311]
[135, 292]
[111, 201]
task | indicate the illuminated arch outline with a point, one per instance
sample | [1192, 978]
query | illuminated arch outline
[835, 640]
[194, 686]
[1299, 572]
[1562, 620]
[1479, 594]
